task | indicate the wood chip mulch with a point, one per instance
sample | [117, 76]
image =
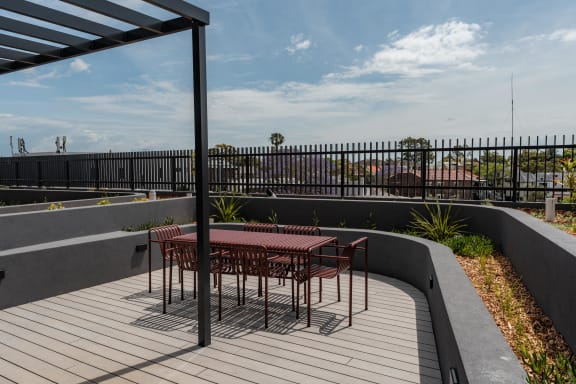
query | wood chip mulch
[519, 318]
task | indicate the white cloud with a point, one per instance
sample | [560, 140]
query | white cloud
[359, 48]
[155, 100]
[430, 49]
[230, 58]
[34, 79]
[298, 43]
[563, 35]
[79, 65]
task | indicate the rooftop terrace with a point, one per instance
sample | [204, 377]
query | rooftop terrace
[116, 333]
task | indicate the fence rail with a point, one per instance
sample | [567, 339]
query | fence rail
[528, 170]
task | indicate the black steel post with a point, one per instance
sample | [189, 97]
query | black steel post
[68, 174]
[39, 173]
[202, 198]
[342, 167]
[423, 172]
[173, 172]
[131, 174]
[514, 174]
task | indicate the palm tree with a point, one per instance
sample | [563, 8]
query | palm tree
[276, 139]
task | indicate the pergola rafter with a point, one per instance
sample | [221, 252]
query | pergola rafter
[32, 34]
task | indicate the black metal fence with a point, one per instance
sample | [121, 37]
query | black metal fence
[483, 169]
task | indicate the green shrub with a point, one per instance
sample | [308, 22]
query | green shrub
[228, 209]
[561, 371]
[439, 226]
[470, 245]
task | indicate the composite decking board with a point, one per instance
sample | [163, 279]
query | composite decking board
[42, 368]
[54, 357]
[388, 294]
[122, 321]
[126, 350]
[328, 298]
[351, 351]
[131, 353]
[393, 326]
[277, 367]
[103, 362]
[18, 374]
[302, 362]
[153, 373]
[4, 380]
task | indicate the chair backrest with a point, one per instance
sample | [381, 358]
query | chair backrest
[301, 230]
[161, 234]
[250, 259]
[350, 250]
[261, 227]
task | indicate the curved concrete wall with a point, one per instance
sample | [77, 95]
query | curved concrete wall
[467, 338]
[543, 256]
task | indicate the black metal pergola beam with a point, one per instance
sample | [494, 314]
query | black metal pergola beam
[107, 8]
[62, 19]
[29, 45]
[19, 52]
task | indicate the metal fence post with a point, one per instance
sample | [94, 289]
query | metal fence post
[173, 172]
[342, 167]
[39, 173]
[423, 172]
[514, 174]
[97, 175]
[67, 174]
[247, 173]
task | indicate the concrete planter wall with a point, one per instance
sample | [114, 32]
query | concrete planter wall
[38, 249]
[21, 229]
[543, 256]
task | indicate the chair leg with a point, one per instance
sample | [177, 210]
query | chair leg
[265, 301]
[320, 290]
[238, 287]
[181, 278]
[170, 284]
[219, 283]
[297, 298]
[163, 285]
[244, 290]
[350, 301]
[194, 285]
[338, 285]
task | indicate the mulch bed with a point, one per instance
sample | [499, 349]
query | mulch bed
[515, 311]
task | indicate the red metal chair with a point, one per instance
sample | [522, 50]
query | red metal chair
[245, 260]
[160, 235]
[330, 266]
[288, 261]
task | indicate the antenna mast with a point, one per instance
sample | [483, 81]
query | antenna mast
[512, 93]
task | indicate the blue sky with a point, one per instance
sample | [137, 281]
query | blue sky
[317, 71]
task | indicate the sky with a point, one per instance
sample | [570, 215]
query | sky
[316, 71]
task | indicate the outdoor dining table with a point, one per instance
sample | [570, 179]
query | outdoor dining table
[300, 246]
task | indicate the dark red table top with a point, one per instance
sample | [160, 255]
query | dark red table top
[275, 242]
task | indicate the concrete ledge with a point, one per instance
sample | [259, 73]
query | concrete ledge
[467, 338]
[21, 229]
[543, 256]
[44, 270]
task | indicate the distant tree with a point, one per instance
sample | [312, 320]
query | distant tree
[533, 161]
[412, 150]
[277, 139]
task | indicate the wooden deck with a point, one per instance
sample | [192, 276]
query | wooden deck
[116, 333]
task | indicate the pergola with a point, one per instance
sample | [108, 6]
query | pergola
[44, 36]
